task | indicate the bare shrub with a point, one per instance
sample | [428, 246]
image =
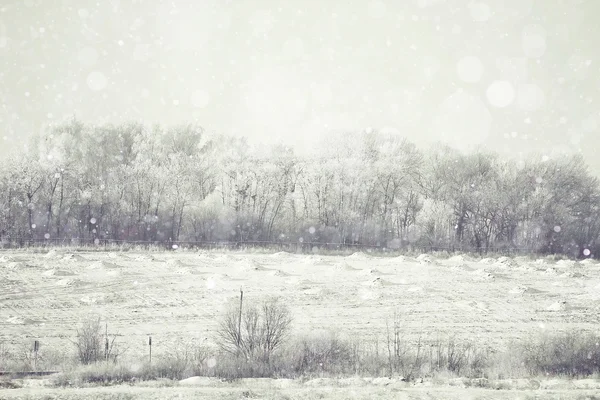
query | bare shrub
[366, 358]
[321, 354]
[93, 345]
[507, 363]
[99, 373]
[254, 332]
[231, 367]
[199, 358]
[171, 367]
[571, 354]
[5, 357]
[456, 356]
[7, 383]
[404, 358]
[44, 359]
[182, 362]
[89, 341]
[460, 358]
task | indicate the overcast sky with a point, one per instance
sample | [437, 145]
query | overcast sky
[514, 75]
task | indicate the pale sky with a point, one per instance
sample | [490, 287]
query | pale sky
[512, 75]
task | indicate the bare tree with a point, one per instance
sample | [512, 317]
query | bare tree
[264, 328]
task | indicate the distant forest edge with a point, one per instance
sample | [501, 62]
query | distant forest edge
[132, 182]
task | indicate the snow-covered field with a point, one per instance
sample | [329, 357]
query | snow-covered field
[178, 296]
[280, 389]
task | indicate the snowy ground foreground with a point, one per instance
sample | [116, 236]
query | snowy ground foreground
[178, 296]
[316, 389]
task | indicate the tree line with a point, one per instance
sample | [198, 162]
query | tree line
[134, 182]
